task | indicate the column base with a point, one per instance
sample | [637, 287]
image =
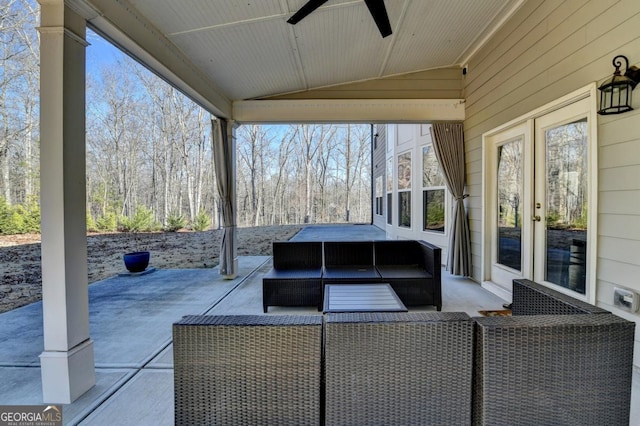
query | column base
[235, 269]
[67, 375]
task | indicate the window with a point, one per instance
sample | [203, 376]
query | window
[391, 137]
[379, 195]
[404, 209]
[404, 190]
[389, 191]
[433, 210]
[433, 192]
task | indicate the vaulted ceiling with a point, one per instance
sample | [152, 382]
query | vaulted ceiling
[239, 50]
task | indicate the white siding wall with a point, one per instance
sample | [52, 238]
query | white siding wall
[442, 83]
[549, 49]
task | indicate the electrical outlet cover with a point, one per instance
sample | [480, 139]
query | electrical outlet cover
[625, 299]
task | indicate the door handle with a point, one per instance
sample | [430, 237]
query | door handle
[537, 218]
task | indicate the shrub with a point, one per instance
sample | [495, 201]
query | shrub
[5, 217]
[175, 222]
[107, 223]
[19, 219]
[31, 215]
[201, 222]
[91, 224]
[142, 221]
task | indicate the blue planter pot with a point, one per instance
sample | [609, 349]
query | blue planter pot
[137, 261]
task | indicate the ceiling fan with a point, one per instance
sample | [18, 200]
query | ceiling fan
[376, 8]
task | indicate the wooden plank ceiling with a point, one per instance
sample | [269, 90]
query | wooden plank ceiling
[250, 52]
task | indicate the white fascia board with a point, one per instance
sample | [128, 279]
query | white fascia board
[349, 110]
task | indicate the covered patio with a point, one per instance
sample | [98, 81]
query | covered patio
[131, 321]
[484, 64]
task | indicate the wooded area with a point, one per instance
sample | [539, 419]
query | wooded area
[149, 157]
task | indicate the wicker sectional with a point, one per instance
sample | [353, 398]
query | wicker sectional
[301, 269]
[435, 368]
[556, 361]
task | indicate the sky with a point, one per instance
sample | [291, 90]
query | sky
[100, 53]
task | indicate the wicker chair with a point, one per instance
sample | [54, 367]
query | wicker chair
[564, 363]
[247, 370]
[398, 369]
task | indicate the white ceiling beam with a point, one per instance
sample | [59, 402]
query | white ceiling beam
[351, 110]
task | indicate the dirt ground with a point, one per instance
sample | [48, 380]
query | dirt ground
[21, 269]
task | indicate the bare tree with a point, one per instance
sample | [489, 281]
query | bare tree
[119, 135]
[280, 175]
[253, 144]
[18, 97]
[309, 141]
[148, 145]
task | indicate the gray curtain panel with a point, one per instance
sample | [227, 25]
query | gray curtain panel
[223, 158]
[448, 144]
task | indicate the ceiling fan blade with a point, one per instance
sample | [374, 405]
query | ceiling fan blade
[305, 10]
[379, 13]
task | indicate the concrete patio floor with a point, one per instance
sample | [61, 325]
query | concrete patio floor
[130, 320]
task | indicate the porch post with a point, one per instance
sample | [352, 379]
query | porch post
[67, 363]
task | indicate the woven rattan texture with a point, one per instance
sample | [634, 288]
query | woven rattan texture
[297, 255]
[348, 253]
[350, 274]
[296, 277]
[530, 298]
[553, 370]
[397, 261]
[395, 369]
[248, 370]
[291, 292]
[394, 252]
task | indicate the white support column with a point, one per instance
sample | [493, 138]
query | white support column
[67, 363]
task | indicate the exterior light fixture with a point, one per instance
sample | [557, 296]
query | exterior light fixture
[615, 93]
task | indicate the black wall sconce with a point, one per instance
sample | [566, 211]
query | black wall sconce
[615, 93]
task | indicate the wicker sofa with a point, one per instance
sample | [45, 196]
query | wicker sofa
[301, 269]
[557, 360]
[340, 369]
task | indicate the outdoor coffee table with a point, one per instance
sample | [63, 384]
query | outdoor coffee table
[361, 298]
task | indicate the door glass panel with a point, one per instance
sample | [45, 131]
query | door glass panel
[510, 187]
[566, 205]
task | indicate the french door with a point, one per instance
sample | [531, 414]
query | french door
[538, 200]
[510, 205]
